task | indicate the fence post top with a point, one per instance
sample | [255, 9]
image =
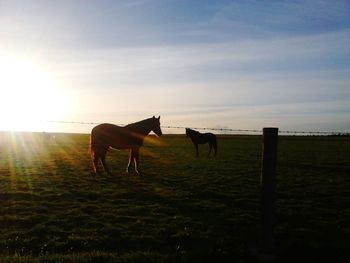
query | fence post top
[270, 128]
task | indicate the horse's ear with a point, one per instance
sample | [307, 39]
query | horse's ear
[154, 117]
[159, 118]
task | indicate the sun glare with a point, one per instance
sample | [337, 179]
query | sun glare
[29, 95]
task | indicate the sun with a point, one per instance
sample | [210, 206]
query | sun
[30, 95]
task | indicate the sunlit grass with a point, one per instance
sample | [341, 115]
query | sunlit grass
[182, 208]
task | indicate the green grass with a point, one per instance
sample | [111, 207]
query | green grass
[181, 209]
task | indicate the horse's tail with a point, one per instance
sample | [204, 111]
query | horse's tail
[215, 145]
[92, 148]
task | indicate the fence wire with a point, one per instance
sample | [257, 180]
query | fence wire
[244, 131]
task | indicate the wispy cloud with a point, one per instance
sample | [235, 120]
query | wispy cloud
[184, 80]
[326, 46]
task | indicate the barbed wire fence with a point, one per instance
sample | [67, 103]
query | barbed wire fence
[223, 130]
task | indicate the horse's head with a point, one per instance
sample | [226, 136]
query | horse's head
[156, 126]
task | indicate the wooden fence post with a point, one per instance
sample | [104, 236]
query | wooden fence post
[268, 187]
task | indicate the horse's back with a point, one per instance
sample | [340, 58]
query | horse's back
[202, 138]
[106, 128]
[211, 136]
[110, 135]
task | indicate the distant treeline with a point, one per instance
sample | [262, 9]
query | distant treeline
[340, 134]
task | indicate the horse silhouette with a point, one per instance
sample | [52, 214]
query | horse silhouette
[129, 137]
[202, 138]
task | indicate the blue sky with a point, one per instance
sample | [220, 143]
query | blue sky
[237, 64]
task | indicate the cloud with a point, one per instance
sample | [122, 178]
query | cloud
[229, 83]
[239, 54]
[235, 63]
[283, 16]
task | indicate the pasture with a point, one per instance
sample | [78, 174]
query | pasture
[180, 209]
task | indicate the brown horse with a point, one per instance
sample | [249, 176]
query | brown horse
[130, 137]
[202, 138]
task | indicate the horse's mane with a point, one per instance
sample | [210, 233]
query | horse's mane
[143, 123]
[193, 131]
[143, 127]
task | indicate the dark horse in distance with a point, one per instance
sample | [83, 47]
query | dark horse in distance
[202, 138]
[130, 137]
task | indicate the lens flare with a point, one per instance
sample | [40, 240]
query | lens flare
[30, 94]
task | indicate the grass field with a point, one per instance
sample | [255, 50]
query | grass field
[181, 209]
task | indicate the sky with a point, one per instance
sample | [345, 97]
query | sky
[196, 63]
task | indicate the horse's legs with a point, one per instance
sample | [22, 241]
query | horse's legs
[210, 148]
[197, 151]
[95, 164]
[104, 164]
[215, 144]
[100, 154]
[131, 158]
[136, 160]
